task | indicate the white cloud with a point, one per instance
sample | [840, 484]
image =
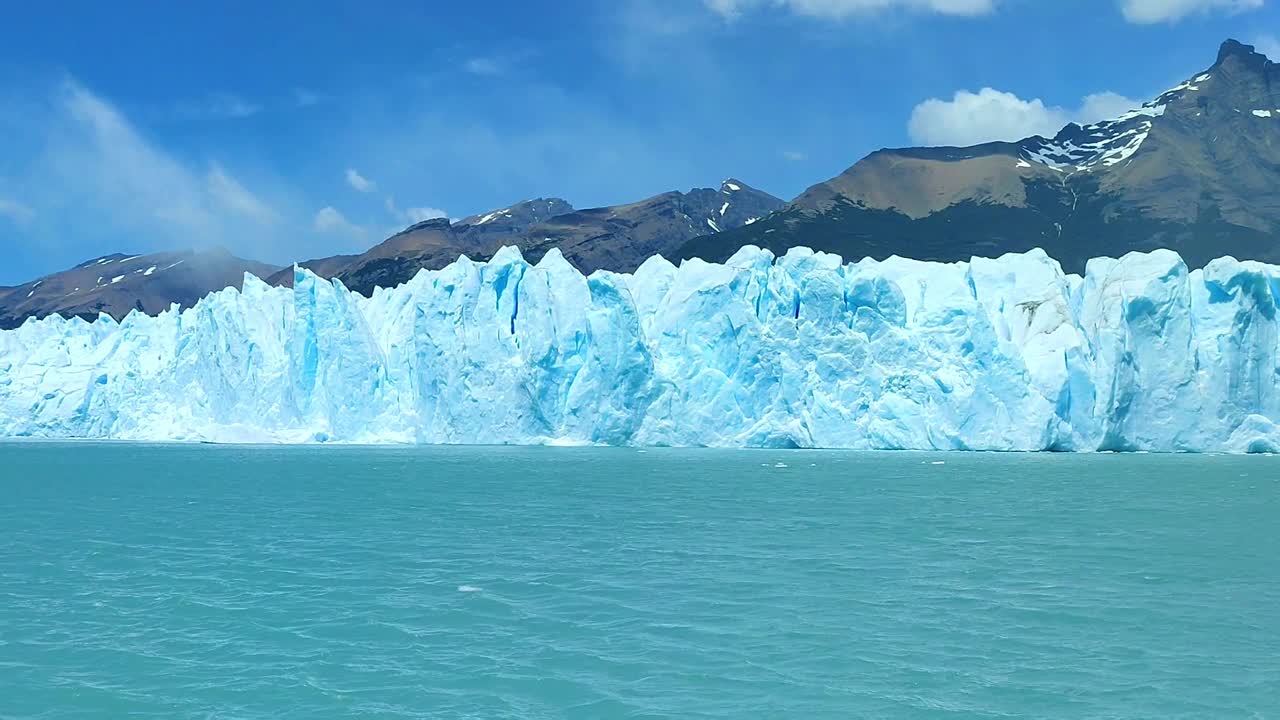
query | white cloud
[409, 216]
[485, 66]
[329, 220]
[418, 214]
[1103, 106]
[840, 9]
[1157, 11]
[16, 211]
[359, 182]
[1268, 45]
[971, 118]
[986, 115]
[794, 155]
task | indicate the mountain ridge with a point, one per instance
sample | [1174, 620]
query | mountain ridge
[118, 284]
[1192, 170]
[615, 237]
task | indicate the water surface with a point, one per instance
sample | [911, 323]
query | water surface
[248, 582]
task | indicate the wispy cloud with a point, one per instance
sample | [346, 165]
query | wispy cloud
[233, 106]
[214, 105]
[119, 164]
[360, 183]
[230, 194]
[841, 9]
[1158, 11]
[418, 214]
[329, 220]
[485, 66]
[302, 97]
[92, 181]
[15, 211]
[411, 215]
[1135, 11]
[794, 155]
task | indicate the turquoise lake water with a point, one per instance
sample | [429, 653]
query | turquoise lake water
[235, 582]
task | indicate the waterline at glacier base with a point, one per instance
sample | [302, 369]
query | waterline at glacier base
[1139, 354]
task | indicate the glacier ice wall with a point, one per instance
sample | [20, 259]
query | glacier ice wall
[798, 351]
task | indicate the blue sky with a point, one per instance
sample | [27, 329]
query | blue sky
[286, 131]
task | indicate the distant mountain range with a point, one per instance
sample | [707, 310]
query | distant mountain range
[1197, 170]
[616, 238]
[117, 284]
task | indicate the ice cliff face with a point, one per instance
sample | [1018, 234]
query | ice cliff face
[803, 350]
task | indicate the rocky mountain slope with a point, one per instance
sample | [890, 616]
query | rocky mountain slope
[116, 284]
[1195, 170]
[618, 237]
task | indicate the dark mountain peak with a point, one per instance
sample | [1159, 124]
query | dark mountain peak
[428, 224]
[1244, 65]
[1238, 50]
[551, 205]
[519, 216]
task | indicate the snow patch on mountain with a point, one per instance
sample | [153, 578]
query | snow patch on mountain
[1106, 143]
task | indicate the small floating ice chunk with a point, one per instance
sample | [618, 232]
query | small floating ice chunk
[468, 588]
[1262, 113]
[938, 462]
[780, 465]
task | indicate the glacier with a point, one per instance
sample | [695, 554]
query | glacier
[803, 350]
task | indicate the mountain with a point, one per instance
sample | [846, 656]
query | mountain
[622, 237]
[116, 284]
[618, 237]
[1195, 170]
[431, 244]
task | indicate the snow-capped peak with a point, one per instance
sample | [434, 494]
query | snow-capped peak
[1109, 142]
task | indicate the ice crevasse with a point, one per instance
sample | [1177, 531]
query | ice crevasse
[803, 350]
